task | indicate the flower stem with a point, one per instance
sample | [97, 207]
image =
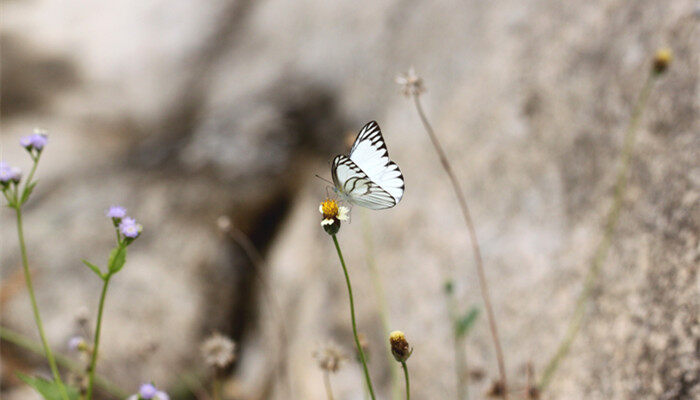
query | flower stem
[408, 383]
[472, 236]
[327, 383]
[35, 308]
[26, 343]
[352, 315]
[381, 298]
[98, 330]
[604, 246]
[460, 353]
[216, 388]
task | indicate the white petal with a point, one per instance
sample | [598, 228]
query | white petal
[343, 213]
[327, 221]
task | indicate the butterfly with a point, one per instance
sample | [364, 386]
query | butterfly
[367, 177]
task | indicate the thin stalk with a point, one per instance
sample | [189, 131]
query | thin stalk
[352, 315]
[381, 299]
[408, 383]
[327, 383]
[26, 343]
[460, 353]
[604, 246]
[35, 307]
[98, 330]
[216, 388]
[472, 236]
[31, 174]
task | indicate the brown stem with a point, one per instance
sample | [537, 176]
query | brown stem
[472, 236]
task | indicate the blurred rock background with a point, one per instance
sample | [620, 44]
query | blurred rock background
[184, 111]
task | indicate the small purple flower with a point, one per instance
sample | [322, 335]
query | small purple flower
[39, 140]
[26, 141]
[147, 391]
[75, 342]
[8, 173]
[117, 212]
[129, 228]
[161, 395]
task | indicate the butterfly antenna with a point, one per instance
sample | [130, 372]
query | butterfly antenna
[324, 179]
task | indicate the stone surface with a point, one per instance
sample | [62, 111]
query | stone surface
[186, 111]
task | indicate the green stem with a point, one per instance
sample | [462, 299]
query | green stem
[24, 342]
[31, 174]
[98, 329]
[408, 384]
[352, 315]
[460, 353]
[602, 250]
[35, 308]
[381, 298]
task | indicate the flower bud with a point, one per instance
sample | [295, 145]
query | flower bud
[662, 59]
[399, 346]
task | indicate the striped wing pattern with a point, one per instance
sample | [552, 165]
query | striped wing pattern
[356, 187]
[368, 177]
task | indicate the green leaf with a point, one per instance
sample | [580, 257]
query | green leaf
[49, 390]
[465, 324]
[28, 191]
[94, 268]
[117, 259]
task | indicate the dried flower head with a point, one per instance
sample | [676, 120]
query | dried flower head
[400, 348]
[662, 59]
[496, 390]
[218, 351]
[330, 357]
[224, 223]
[411, 83]
[332, 214]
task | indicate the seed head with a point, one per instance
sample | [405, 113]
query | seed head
[218, 351]
[330, 357]
[411, 83]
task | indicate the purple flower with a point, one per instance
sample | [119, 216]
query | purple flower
[8, 173]
[37, 140]
[147, 391]
[129, 228]
[161, 395]
[26, 141]
[117, 212]
[75, 342]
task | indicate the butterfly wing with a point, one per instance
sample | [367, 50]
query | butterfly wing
[355, 186]
[370, 154]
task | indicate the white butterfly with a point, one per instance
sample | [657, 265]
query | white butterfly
[368, 177]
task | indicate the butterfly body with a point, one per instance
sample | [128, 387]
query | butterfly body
[367, 177]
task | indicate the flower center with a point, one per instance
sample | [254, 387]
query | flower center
[329, 209]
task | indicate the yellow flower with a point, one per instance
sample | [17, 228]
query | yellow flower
[332, 215]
